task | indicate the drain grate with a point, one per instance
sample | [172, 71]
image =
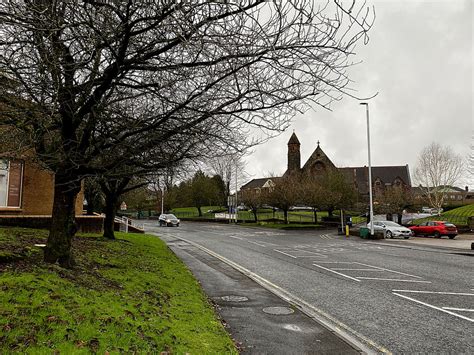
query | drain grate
[233, 298]
[278, 310]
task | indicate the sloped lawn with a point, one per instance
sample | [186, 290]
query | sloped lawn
[458, 216]
[129, 295]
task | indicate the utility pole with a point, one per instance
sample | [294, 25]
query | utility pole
[371, 208]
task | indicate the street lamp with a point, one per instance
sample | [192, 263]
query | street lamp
[371, 215]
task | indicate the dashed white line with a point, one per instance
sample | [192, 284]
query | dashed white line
[256, 243]
[395, 280]
[348, 269]
[436, 292]
[458, 309]
[281, 252]
[434, 307]
[335, 272]
[231, 236]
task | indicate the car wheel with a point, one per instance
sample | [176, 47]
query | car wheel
[452, 236]
[437, 235]
[407, 237]
[388, 235]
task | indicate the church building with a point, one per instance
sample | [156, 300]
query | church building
[383, 177]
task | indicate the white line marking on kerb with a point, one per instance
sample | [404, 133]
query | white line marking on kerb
[335, 272]
[434, 307]
[395, 280]
[436, 293]
[458, 309]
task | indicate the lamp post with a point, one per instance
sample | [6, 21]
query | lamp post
[371, 209]
[162, 199]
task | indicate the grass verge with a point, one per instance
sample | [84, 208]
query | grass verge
[459, 216]
[128, 295]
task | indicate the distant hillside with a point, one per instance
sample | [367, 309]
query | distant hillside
[457, 216]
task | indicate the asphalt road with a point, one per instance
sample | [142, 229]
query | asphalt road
[399, 300]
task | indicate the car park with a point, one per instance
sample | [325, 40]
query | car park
[436, 229]
[391, 229]
[168, 220]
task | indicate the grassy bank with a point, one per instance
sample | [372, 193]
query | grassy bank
[459, 216]
[128, 295]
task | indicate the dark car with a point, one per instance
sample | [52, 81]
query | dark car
[436, 229]
[168, 220]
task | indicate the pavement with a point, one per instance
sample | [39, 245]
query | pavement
[263, 322]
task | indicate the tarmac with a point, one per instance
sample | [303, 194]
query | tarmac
[263, 322]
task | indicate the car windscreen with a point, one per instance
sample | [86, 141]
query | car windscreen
[391, 224]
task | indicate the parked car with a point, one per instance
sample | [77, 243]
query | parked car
[168, 220]
[436, 229]
[391, 229]
[431, 210]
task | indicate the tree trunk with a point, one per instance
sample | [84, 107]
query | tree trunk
[199, 211]
[285, 214]
[111, 200]
[255, 214]
[63, 222]
[315, 216]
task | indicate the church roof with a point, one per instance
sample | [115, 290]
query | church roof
[318, 156]
[293, 139]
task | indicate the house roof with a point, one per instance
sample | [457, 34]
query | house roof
[257, 183]
[387, 174]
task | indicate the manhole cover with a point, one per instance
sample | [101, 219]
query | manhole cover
[234, 298]
[278, 310]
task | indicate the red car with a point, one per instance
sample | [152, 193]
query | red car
[436, 229]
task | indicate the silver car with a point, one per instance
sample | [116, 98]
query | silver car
[391, 229]
[168, 220]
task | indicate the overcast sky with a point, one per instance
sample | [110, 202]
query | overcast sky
[419, 59]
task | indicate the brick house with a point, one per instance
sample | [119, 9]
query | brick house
[26, 197]
[26, 189]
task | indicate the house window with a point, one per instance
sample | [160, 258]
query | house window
[11, 177]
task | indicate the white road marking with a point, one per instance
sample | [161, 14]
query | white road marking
[336, 262]
[348, 269]
[232, 236]
[396, 280]
[279, 251]
[335, 272]
[256, 243]
[436, 292]
[458, 309]
[381, 268]
[434, 307]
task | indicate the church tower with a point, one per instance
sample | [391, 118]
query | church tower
[294, 157]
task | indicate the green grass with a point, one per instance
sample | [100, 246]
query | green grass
[128, 295]
[458, 216]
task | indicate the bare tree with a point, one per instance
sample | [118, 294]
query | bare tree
[437, 169]
[285, 193]
[106, 80]
[230, 167]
